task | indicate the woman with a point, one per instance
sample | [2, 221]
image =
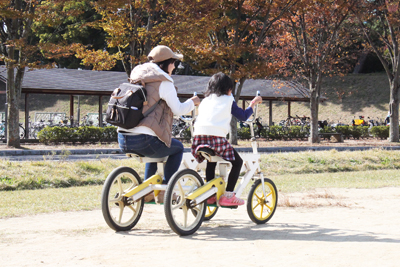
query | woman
[152, 137]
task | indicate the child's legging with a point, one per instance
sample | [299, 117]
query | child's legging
[233, 175]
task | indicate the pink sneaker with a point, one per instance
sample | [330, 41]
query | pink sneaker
[212, 200]
[230, 199]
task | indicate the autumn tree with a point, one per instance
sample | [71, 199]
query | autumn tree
[379, 21]
[310, 42]
[20, 47]
[227, 35]
[131, 29]
[73, 27]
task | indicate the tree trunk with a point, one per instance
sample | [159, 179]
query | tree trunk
[233, 131]
[12, 100]
[314, 138]
[394, 111]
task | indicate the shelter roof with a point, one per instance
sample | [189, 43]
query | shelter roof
[88, 82]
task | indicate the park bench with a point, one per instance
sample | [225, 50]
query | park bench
[338, 136]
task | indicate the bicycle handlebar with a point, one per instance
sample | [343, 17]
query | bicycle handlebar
[190, 119]
[254, 116]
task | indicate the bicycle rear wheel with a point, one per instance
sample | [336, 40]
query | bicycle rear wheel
[119, 212]
[182, 216]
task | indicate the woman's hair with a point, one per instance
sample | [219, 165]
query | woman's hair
[219, 84]
[164, 64]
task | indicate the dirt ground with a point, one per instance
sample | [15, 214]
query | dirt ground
[329, 227]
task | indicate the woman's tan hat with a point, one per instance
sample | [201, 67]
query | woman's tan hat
[161, 53]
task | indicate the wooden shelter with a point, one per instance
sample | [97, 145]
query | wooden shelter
[75, 82]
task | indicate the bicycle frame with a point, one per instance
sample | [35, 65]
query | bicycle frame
[153, 183]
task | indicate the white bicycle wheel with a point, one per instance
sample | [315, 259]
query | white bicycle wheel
[119, 212]
[183, 217]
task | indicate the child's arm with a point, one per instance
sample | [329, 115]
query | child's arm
[241, 114]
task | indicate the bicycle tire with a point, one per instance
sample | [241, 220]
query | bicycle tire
[181, 216]
[119, 212]
[261, 204]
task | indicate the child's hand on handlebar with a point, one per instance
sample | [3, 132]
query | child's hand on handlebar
[255, 101]
[196, 100]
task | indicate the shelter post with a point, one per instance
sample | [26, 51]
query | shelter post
[71, 109]
[100, 111]
[26, 116]
[270, 113]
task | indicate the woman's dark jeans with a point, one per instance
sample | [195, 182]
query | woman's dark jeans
[152, 147]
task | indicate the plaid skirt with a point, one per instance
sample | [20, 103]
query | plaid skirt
[220, 145]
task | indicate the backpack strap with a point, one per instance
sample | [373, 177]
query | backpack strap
[151, 109]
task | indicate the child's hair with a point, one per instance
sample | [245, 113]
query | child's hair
[219, 84]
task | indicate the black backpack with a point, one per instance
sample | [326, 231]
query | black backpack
[126, 105]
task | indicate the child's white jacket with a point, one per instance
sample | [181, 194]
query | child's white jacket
[214, 116]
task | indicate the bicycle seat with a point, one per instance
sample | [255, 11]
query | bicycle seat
[206, 150]
[144, 159]
[209, 154]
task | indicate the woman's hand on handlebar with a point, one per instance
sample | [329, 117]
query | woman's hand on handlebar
[255, 101]
[196, 100]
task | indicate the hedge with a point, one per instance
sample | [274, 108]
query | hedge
[92, 134]
[83, 134]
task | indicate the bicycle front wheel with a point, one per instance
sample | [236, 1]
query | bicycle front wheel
[262, 201]
[182, 217]
[119, 212]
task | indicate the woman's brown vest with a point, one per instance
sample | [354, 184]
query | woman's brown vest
[160, 119]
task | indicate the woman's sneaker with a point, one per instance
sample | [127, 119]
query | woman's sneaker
[149, 198]
[230, 199]
[160, 197]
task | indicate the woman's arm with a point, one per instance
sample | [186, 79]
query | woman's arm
[169, 94]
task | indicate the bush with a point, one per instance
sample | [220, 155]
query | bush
[355, 131]
[381, 132]
[276, 132]
[244, 133]
[294, 132]
[81, 134]
[345, 130]
[109, 133]
[365, 132]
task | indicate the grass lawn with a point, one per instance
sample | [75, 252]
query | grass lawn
[50, 186]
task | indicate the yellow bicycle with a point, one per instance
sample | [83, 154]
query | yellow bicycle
[122, 197]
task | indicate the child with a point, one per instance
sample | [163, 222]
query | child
[211, 127]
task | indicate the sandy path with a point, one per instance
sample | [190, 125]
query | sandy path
[353, 227]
